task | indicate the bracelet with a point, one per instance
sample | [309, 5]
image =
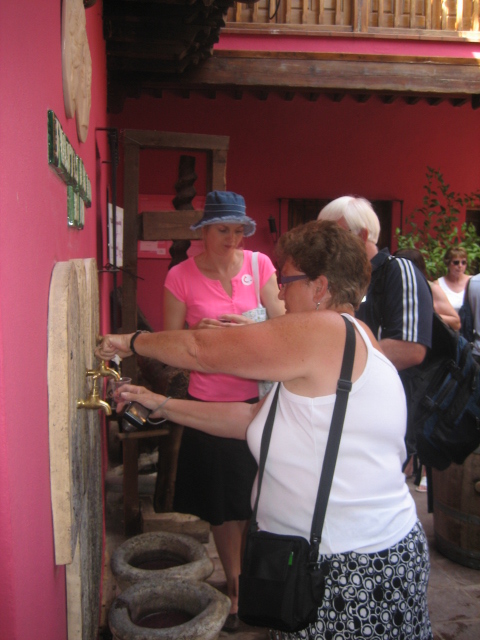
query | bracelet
[155, 422]
[133, 338]
[163, 403]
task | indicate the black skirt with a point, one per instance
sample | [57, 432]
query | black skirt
[214, 477]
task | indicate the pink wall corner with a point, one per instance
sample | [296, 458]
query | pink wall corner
[33, 236]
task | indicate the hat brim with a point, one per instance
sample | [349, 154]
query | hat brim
[249, 225]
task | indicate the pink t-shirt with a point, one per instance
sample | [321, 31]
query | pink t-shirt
[206, 298]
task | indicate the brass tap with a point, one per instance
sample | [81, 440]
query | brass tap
[94, 401]
[103, 371]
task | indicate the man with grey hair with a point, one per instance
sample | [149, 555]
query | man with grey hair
[398, 306]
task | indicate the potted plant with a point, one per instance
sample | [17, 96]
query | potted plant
[434, 227]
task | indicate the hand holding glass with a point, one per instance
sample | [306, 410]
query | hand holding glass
[113, 390]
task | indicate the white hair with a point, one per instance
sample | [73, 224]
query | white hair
[358, 214]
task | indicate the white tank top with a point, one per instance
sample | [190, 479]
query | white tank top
[370, 507]
[455, 298]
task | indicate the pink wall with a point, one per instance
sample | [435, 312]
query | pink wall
[326, 43]
[33, 237]
[302, 149]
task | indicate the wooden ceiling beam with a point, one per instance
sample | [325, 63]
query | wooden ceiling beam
[294, 71]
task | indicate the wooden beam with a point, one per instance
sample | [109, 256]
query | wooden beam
[170, 225]
[130, 235]
[300, 71]
[168, 140]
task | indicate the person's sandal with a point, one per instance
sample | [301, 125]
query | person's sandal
[422, 487]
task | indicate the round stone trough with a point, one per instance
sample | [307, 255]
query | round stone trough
[171, 609]
[158, 555]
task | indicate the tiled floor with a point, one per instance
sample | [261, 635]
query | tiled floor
[453, 593]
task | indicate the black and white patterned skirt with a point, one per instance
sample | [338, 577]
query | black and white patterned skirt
[374, 596]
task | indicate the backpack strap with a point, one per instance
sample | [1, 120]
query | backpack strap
[379, 289]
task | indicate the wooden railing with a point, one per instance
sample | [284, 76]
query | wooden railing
[449, 17]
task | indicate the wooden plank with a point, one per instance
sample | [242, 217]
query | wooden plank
[170, 225]
[321, 12]
[339, 14]
[238, 12]
[459, 17]
[130, 235]
[306, 72]
[381, 10]
[397, 16]
[428, 15]
[169, 140]
[361, 11]
[288, 11]
[139, 435]
[475, 16]
[272, 11]
[305, 11]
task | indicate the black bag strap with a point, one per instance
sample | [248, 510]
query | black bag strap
[344, 386]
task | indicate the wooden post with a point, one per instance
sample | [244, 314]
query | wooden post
[130, 237]
[360, 15]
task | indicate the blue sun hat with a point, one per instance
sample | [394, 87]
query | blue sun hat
[228, 208]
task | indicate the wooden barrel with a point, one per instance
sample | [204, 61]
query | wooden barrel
[456, 511]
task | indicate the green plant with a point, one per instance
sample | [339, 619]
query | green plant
[434, 227]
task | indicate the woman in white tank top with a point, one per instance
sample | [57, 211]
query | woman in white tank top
[372, 542]
[455, 280]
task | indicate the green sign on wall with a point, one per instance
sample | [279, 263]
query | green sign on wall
[65, 162]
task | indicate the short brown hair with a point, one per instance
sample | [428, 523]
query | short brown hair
[322, 247]
[452, 253]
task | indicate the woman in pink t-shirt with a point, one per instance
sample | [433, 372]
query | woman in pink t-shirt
[214, 289]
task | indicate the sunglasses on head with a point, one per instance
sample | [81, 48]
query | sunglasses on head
[457, 262]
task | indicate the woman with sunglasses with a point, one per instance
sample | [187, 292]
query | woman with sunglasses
[455, 280]
[373, 547]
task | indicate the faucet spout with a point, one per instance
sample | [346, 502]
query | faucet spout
[91, 403]
[104, 371]
[94, 401]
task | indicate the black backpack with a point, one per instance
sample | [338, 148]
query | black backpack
[443, 395]
[466, 317]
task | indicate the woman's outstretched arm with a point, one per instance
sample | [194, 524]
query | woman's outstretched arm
[226, 419]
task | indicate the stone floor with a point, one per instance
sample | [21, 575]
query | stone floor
[453, 593]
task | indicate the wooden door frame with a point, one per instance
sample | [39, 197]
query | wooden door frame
[134, 140]
[159, 225]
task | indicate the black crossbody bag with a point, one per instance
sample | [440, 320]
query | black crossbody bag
[281, 583]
